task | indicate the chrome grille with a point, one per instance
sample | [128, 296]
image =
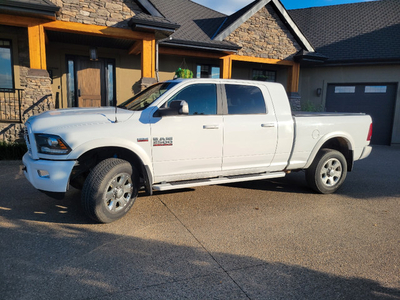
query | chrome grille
[27, 140]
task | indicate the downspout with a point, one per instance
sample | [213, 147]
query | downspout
[157, 61]
[158, 56]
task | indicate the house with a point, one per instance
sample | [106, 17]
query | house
[362, 72]
[80, 53]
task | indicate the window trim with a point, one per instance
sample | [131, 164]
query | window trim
[11, 47]
[264, 71]
[210, 66]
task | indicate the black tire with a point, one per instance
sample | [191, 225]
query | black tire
[327, 172]
[110, 190]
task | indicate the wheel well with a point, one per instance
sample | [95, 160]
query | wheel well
[341, 145]
[87, 161]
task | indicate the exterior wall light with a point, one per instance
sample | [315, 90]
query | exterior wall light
[93, 54]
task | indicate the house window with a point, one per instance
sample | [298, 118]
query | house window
[345, 89]
[207, 71]
[6, 66]
[264, 75]
[380, 89]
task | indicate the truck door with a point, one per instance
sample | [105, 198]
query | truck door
[189, 146]
[250, 130]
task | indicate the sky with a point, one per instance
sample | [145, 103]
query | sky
[230, 6]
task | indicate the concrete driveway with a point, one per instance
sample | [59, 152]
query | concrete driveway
[257, 240]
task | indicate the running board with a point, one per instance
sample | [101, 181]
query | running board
[218, 180]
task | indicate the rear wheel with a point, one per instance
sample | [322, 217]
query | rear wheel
[110, 190]
[327, 172]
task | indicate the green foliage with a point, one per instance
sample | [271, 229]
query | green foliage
[12, 151]
[311, 107]
[184, 73]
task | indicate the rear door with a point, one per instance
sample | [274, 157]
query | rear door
[250, 129]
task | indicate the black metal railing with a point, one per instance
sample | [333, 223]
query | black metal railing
[10, 106]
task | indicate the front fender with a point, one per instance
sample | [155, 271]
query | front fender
[113, 142]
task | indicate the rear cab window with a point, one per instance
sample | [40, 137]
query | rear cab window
[244, 100]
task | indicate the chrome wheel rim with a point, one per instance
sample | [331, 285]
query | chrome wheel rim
[118, 193]
[331, 172]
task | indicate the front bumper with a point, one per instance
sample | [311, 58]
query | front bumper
[48, 175]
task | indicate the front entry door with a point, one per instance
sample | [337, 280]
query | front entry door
[90, 83]
[89, 78]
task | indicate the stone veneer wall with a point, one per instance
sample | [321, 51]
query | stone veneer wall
[114, 13]
[36, 98]
[264, 35]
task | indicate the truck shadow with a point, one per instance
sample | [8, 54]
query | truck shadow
[372, 178]
[75, 262]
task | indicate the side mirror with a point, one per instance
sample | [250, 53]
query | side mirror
[176, 107]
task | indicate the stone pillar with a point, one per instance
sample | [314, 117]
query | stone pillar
[146, 82]
[294, 100]
[37, 97]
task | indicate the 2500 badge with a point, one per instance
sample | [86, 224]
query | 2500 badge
[168, 141]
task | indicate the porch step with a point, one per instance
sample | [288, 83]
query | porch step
[218, 180]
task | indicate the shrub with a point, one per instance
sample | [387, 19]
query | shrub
[12, 151]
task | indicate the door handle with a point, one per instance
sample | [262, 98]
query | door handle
[268, 125]
[210, 126]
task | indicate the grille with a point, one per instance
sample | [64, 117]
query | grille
[27, 141]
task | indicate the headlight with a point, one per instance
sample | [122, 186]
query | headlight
[51, 144]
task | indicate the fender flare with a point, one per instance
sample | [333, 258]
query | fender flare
[330, 136]
[118, 143]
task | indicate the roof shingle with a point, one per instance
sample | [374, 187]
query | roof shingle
[198, 23]
[367, 31]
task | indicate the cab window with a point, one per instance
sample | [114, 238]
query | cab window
[202, 98]
[244, 99]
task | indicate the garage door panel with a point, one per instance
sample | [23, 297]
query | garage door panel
[377, 100]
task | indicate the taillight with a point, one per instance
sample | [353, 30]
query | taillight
[369, 133]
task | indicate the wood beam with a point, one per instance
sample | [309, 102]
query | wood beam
[226, 67]
[136, 48]
[37, 47]
[97, 30]
[190, 53]
[293, 78]
[261, 60]
[11, 20]
[149, 58]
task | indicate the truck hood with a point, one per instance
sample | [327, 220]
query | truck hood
[77, 117]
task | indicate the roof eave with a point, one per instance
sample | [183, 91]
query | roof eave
[29, 8]
[225, 33]
[148, 6]
[202, 46]
[359, 62]
[293, 27]
[283, 13]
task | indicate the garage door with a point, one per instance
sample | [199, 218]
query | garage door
[377, 100]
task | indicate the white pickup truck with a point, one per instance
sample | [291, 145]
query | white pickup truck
[188, 133]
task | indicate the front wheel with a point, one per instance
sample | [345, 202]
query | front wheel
[327, 172]
[110, 190]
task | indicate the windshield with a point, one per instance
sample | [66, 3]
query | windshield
[145, 98]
